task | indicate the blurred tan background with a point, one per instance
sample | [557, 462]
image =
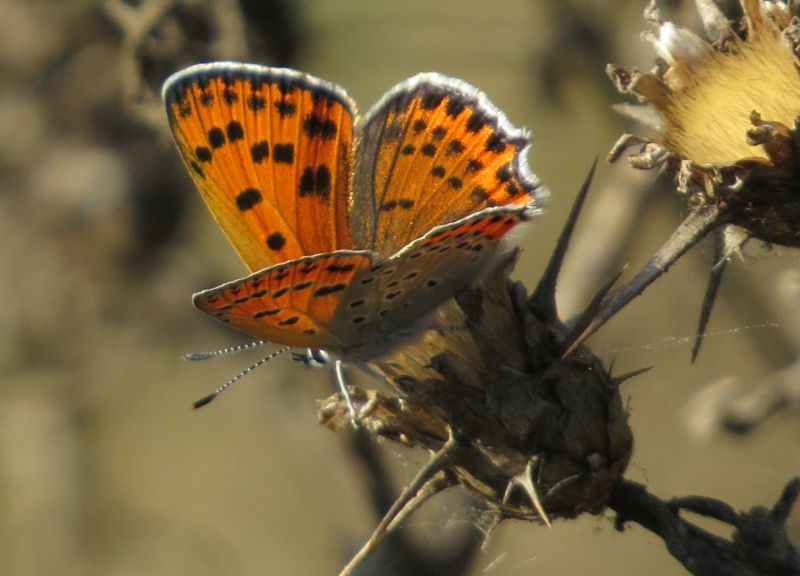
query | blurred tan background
[105, 469]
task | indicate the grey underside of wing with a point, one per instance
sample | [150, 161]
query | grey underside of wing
[408, 286]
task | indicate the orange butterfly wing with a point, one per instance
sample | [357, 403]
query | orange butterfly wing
[432, 151]
[293, 303]
[271, 151]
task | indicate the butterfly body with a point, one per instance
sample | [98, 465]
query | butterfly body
[353, 232]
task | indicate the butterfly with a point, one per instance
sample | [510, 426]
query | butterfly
[353, 231]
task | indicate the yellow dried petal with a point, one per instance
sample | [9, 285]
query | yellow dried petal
[707, 120]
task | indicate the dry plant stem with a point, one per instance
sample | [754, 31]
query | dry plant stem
[410, 555]
[694, 228]
[759, 547]
[136, 24]
[781, 389]
[231, 39]
[414, 494]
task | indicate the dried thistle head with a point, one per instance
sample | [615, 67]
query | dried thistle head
[537, 434]
[723, 111]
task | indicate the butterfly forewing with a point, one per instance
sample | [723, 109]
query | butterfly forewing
[292, 303]
[432, 151]
[271, 151]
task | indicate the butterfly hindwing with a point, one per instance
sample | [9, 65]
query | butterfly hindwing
[293, 303]
[271, 151]
[432, 151]
[396, 292]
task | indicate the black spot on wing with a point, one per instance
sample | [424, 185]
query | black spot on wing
[503, 173]
[259, 151]
[495, 143]
[340, 268]
[455, 147]
[476, 122]
[230, 96]
[432, 100]
[455, 107]
[316, 127]
[216, 137]
[285, 108]
[248, 198]
[315, 182]
[203, 153]
[276, 241]
[329, 289]
[270, 312]
[474, 165]
[256, 103]
[234, 131]
[283, 153]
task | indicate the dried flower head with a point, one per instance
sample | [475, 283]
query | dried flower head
[724, 112]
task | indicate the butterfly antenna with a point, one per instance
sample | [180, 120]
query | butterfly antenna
[207, 399]
[196, 356]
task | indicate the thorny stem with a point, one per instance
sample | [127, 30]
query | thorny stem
[694, 228]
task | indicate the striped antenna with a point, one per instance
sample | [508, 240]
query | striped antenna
[207, 399]
[196, 356]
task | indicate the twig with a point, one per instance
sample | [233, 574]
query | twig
[136, 24]
[400, 554]
[760, 545]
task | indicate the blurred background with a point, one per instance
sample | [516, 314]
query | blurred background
[105, 469]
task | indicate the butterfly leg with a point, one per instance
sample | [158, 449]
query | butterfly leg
[341, 382]
[311, 358]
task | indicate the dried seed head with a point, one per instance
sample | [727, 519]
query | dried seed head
[727, 110]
